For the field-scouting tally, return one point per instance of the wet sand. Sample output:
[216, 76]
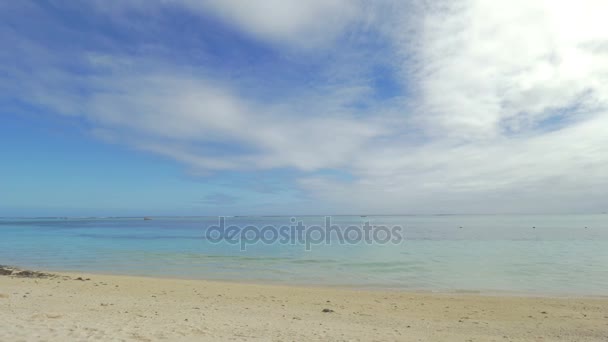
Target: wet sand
[75, 307]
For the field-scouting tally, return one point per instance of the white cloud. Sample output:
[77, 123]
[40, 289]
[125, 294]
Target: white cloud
[302, 23]
[513, 97]
[178, 114]
[506, 111]
[494, 67]
[562, 171]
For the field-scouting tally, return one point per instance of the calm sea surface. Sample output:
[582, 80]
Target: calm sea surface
[531, 254]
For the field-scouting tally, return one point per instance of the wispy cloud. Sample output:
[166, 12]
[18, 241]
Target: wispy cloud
[481, 107]
[512, 101]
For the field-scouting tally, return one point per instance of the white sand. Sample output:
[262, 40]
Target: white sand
[118, 308]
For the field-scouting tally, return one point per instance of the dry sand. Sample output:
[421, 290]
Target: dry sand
[120, 308]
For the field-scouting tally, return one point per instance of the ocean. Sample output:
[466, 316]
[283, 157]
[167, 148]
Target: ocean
[510, 254]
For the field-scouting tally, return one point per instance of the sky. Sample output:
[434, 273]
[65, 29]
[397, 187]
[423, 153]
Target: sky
[270, 107]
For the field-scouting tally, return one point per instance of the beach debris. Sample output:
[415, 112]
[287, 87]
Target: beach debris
[15, 272]
[5, 270]
[327, 310]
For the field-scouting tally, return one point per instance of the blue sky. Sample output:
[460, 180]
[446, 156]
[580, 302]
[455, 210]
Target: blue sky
[288, 107]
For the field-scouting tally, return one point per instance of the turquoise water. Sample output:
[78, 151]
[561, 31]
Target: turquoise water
[440, 253]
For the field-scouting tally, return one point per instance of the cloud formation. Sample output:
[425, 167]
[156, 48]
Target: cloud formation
[492, 69]
[458, 106]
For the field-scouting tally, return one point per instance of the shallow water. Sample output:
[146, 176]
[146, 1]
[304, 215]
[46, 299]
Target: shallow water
[562, 254]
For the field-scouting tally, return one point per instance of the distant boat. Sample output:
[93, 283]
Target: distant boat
[147, 218]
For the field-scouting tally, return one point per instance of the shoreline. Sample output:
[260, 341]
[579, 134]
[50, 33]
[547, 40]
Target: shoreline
[473, 292]
[76, 306]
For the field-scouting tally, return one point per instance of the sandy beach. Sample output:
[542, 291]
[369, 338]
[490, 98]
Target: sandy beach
[74, 307]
